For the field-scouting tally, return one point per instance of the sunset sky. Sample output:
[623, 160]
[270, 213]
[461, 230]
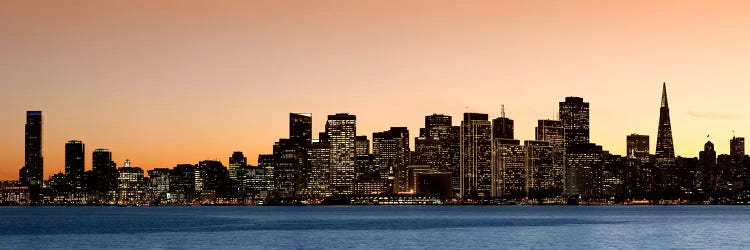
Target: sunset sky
[168, 82]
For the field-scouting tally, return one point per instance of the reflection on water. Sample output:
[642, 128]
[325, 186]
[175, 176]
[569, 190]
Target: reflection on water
[419, 227]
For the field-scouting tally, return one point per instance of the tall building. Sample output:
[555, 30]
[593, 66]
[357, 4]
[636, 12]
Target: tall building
[341, 130]
[32, 172]
[74, 163]
[130, 185]
[541, 179]
[290, 177]
[319, 158]
[362, 145]
[182, 184]
[236, 161]
[552, 131]
[664, 144]
[574, 114]
[436, 125]
[508, 169]
[711, 173]
[158, 184]
[300, 128]
[737, 146]
[637, 146]
[502, 127]
[475, 156]
[665, 158]
[105, 172]
[584, 170]
[390, 150]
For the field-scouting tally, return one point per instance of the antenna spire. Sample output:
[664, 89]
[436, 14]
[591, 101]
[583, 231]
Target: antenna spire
[502, 110]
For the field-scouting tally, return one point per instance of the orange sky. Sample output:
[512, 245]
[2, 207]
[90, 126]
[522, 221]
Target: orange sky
[167, 82]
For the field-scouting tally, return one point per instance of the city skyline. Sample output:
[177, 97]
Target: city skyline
[100, 77]
[309, 116]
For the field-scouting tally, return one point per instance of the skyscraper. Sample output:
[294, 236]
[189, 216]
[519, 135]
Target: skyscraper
[508, 169]
[32, 171]
[319, 159]
[541, 181]
[475, 156]
[236, 161]
[637, 146]
[552, 131]
[664, 144]
[708, 166]
[105, 173]
[74, 162]
[362, 145]
[665, 160]
[436, 126]
[502, 127]
[290, 176]
[737, 146]
[300, 128]
[341, 130]
[390, 150]
[574, 114]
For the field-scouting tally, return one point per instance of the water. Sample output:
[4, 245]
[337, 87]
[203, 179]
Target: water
[383, 227]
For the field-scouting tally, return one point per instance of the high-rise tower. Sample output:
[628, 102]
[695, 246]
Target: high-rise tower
[31, 173]
[664, 144]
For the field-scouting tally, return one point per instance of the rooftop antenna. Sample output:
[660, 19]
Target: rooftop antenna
[502, 110]
[733, 134]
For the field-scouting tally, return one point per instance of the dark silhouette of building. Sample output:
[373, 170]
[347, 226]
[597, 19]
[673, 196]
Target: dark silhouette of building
[75, 159]
[584, 170]
[105, 173]
[215, 177]
[300, 128]
[31, 174]
[637, 146]
[711, 174]
[737, 146]
[182, 183]
[665, 158]
[502, 127]
[541, 175]
[390, 150]
[475, 156]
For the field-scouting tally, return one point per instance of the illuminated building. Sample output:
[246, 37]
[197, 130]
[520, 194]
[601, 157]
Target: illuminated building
[638, 146]
[158, 184]
[502, 127]
[584, 170]
[552, 131]
[236, 161]
[341, 130]
[475, 156]
[319, 158]
[508, 169]
[390, 150]
[541, 178]
[130, 187]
